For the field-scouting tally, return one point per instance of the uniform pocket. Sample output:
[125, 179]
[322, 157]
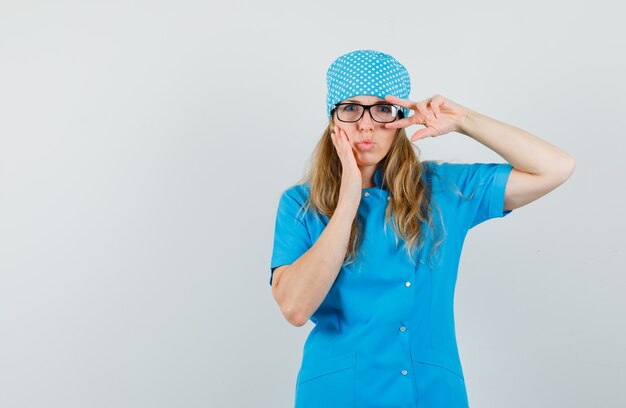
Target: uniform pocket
[327, 383]
[438, 379]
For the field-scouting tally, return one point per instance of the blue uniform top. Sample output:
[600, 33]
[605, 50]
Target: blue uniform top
[384, 336]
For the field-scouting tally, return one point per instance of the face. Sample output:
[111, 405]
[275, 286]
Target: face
[367, 130]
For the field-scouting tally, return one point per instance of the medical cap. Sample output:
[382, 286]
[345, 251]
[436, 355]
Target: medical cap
[366, 72]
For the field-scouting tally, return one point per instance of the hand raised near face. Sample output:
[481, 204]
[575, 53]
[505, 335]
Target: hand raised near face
[438, 114]
[351, 179]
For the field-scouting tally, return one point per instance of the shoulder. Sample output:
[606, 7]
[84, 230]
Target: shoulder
[297, 192]
[465, 178]
[438, 167]
[441, 167]
[455, 171]
[434, 171]
[293, 201]
[445, 176]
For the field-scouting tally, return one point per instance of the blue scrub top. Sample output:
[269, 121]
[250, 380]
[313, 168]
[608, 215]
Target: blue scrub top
[384, 336]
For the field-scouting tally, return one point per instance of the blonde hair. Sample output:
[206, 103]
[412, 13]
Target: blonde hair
[410, 202]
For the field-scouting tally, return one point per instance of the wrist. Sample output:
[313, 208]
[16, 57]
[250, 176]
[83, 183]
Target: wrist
[464, 125]
[348, 207]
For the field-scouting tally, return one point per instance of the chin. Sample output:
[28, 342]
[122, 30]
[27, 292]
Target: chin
[370, 162]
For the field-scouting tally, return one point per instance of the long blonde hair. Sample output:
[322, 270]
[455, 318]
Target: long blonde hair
[410, 202]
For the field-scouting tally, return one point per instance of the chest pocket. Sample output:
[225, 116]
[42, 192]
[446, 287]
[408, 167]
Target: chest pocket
[327, 383]
[439, 379]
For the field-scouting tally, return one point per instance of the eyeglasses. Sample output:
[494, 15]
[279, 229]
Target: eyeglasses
[352, 112]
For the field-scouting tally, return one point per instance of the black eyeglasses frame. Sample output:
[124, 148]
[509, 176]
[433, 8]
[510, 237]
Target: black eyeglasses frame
[367, 108]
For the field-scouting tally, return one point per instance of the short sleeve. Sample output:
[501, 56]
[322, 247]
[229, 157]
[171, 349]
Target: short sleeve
[482, 186]
[291, 236]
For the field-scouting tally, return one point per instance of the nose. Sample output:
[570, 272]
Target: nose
[366, 121]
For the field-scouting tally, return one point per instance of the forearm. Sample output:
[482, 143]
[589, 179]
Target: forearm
[522, 150]
[306, 282]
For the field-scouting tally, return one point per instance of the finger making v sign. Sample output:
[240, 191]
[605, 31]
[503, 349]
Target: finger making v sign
[438, 114]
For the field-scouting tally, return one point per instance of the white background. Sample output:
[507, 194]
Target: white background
[144, 146]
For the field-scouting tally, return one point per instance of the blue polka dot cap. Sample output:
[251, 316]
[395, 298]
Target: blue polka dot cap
[366, 72]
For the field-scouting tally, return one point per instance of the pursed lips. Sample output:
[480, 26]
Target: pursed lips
[365, 144]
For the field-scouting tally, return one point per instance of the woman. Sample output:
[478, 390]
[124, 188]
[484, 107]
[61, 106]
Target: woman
[367, 246]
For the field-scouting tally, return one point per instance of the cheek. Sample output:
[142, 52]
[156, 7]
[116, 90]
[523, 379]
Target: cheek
[389, 139]
[349, 134]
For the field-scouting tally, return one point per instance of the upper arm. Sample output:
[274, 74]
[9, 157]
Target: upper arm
[523, 188]
[291, 234]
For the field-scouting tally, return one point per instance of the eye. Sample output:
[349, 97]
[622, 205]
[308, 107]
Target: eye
[384, 108]
[349, 107]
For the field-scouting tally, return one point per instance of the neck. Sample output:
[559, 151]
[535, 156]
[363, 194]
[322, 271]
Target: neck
[367, 175]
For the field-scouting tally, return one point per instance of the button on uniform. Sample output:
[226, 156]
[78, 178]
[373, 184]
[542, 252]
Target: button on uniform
[402, 328]
[407, 284]
[366, 194]
[404, 372]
